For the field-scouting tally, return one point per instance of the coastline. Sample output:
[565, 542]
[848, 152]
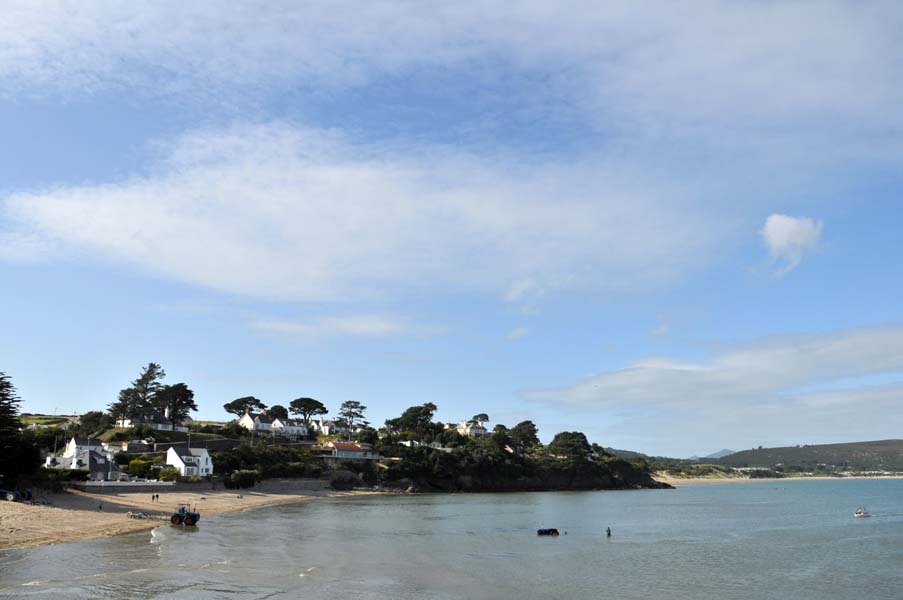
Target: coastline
[683, 481]
[75, 515]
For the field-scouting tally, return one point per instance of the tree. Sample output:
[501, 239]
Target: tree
[139, 400]
[126, 406]
[416, 419]
[17, 455]
[501, 436]
[351, 410]
[480, 419]
[307, 408]
[524, 437]
[177, 401]
[570, 444]
[94, 421]
[240, 406]
[277, 411]
[149, 382]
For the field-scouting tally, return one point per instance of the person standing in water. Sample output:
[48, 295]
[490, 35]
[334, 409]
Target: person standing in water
[608, 532]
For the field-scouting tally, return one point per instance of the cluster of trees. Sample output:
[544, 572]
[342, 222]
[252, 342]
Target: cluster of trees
[17, 455]
[148, 395]
[351, 412]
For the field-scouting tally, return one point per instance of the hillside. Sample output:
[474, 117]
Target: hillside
[860, 456]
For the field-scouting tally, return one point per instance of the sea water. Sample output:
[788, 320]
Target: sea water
[796, 540]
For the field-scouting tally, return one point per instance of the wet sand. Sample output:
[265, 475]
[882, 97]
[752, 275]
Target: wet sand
[76, 515]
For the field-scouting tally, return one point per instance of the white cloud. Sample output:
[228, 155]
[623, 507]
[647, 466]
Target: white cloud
[282, 212]
[788, 239]
[782, 71]
[774, 390]
[517, 333]
[362, 325]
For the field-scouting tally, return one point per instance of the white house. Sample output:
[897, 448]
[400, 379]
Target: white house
[158, 421]
[328, 427]
[77, 446]
[86, 454]
[416, 444]
[256, 422]
[289, 428]
[190, 461]
[472, 429]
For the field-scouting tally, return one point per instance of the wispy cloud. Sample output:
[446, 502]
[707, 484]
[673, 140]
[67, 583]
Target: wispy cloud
[278, 211]
[371, 326]
[788, 239]
[518, 333]
[763, 389]
[782, 71]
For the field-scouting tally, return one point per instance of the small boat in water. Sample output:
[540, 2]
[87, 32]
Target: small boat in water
[861, 513]
[552, 532]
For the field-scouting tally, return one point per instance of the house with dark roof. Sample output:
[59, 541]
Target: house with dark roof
[256, 422]
[190, 461]
[86, 454]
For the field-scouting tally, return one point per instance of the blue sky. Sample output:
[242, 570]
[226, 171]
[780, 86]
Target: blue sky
[676, 230]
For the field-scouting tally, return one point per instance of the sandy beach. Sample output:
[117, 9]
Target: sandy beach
[76, 515]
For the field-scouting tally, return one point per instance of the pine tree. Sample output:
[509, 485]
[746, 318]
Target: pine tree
[16, 455]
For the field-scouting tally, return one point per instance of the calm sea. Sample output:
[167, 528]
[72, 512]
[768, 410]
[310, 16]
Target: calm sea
[793, 540]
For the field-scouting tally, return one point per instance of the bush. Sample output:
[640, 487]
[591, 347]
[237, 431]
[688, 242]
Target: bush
[121, 458]
[138, 467]
[169, 474]
[241, 479]
[54, 480]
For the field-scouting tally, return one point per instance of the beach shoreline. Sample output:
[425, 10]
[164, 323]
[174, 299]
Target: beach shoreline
[76, 515]
[684, 481]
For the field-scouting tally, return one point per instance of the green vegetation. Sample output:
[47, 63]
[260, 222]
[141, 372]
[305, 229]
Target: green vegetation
[168, 474]
[700, 471]
[17, 456]
[242, 479]
[240, 406]
[884, 455]
[307, 408]
[269, 461]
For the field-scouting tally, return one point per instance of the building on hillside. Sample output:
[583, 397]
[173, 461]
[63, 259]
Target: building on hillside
[159, 421]
[350, 452]
[256, 422]
[86, 457]
[190, 461]
[289, 428]
[471, 428]
[328, 427]
[416, 444]
[78, 445]
[131, 447]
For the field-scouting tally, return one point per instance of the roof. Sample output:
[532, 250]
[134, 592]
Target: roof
[261, 417]
[349, 447]
[184, 454]
[87, 441]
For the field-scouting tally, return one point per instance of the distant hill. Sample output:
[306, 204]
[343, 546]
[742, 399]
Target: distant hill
[863, 456]
[720, 454]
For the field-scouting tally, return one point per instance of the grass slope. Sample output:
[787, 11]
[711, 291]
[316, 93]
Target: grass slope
[868, 456]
